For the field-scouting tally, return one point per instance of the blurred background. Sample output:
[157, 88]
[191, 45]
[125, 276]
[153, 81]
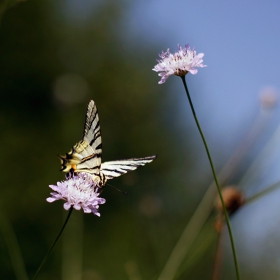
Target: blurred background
[56, 55]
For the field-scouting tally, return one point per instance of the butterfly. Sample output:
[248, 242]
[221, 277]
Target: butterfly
[85, 156]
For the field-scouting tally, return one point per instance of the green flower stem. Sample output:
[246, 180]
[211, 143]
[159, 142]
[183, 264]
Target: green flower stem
[46, 257]
[13, 247]
[215, 178]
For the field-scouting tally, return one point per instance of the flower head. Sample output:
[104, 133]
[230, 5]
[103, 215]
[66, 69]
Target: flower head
[180, 63]
[79, 192]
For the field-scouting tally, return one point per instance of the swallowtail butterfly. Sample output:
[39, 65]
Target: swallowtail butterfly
[86, 155]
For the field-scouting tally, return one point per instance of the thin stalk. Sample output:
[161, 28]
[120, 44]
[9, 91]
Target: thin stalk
[47, 255]
[189, 234]
[72, 258]
[13, 247]
[265, 158]
[263, 192]
[218, 258]
[196, 256]
[215, 178]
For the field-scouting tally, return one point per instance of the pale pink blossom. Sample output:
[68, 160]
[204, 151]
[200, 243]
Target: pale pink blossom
[180, 63]
[79, 192]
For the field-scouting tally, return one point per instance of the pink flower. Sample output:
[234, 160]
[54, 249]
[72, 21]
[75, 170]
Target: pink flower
[179, 63]
[79, 192]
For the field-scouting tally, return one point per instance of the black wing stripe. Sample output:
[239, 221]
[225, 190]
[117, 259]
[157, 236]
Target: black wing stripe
[88, 168]
[96, 129]
[91, 158]
[120, 171]
[93, 119]
[99, 146]
[95, 137]
[96, 134]
[97, 126]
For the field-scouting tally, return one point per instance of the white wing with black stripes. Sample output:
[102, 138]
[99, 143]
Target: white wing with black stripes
[86, 155]
[112, 169]
[90, 148]
[92, 132]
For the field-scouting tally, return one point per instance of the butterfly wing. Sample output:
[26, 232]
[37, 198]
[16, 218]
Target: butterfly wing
[92, 132]
[91, 145]
[85, 156]
[112, 169]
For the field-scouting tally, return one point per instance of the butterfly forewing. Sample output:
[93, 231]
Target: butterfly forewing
[112, 169]
[85, 156]
[92, 143]
[92, 132]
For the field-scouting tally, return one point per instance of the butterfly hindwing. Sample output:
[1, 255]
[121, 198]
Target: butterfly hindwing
[112, 169]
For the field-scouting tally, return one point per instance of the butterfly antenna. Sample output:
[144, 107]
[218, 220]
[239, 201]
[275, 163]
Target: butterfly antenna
[125, 193]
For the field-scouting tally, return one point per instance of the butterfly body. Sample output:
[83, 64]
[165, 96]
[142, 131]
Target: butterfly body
[85, 156]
